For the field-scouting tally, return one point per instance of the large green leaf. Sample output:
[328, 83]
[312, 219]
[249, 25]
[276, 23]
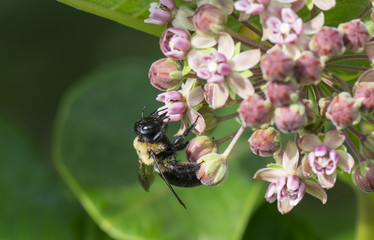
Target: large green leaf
[34, 203]
[93, 151]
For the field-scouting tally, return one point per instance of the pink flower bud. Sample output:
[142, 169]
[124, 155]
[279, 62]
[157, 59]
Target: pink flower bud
[355, 35]
[276, 66]
[308, 69]
[290, 118]
[281, 93]
[200, 146]
[323, 105]
[160, 13]
[363, 176]
[264, 142]
[254, 111]
[327, 42]
[209, 19]
[165, 74]
[343, 110]
[213, 169]
[367, 146]
[175, 43]
[364, 93]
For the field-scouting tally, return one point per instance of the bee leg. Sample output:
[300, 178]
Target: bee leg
[152, 154]
[161, 133]
[178, 141]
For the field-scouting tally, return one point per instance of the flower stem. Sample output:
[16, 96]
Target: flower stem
[332, 85]
[342, 58]
[368, 8]
[247, 41]
[348, 67]
[224, 139]
[368, 119]
[353, 147]
[347, 87]
[233, 141]
[362, 137]
[365, 216]
[249, 26]
[227, 117]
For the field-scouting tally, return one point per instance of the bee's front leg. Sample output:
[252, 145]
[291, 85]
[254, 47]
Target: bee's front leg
[178, 141]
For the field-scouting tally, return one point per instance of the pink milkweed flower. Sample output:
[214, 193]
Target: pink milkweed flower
[321, 4]
[175, 43]
[285, 30]
[249, 7]
[183, 105]
[325, 156]
[160, 13]
[287, 184]
[222, 70]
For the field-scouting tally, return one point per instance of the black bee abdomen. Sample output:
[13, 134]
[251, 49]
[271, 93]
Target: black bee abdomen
[181, 174]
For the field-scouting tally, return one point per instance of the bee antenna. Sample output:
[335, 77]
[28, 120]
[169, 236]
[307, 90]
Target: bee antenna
[143, 112]
[157, 111]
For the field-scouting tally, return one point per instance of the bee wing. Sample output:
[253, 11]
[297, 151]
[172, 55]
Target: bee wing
[145, 175]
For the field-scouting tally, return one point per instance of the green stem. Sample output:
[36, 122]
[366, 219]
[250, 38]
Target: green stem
[247, 41]
[233, 141]
[365, 216]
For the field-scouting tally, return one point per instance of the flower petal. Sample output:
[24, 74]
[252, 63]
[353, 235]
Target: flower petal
[201, 41]
[346, 161]
[245, 60]
[368, 75]
[240, 85]
[284, 206]
[309, 142]
[216, 94]
[193, 116]
[333, 139]
[269, 174]
[314, 25]
[315, 190]
[296, 6]
[290, 158]
[195, 97]
[324, 4]
[307, 170]
[226, 44]
[327, 181]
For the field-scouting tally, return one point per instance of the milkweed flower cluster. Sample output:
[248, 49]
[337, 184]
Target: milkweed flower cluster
[284, 81]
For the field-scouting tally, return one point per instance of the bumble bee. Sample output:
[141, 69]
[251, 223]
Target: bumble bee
[156, 153]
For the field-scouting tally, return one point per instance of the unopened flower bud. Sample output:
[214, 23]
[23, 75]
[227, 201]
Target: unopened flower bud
[175, 43]
[364, 90]
[309, 110]
[290, 118]
[276, 66]
[213, 169]
[308, 69]
[355, 35]
[200, 146]
[367, 146]
[327, 42]
[323, 104]
[343, 110]
[265, 142]
[254, 111]
[165, 74]
[209, 19]
[211, 119]
[281, 93]
[363, 176]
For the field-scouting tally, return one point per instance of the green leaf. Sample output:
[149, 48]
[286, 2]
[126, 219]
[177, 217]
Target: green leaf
[344, 11]
[93, 152]
[127, 12]
[34, 203]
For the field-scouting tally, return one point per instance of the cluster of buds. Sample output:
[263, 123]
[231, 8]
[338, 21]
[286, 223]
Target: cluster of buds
[285, 84]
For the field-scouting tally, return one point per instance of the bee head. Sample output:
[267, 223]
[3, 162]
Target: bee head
[149, 125]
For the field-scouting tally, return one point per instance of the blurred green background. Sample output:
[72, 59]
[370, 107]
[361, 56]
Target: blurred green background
[46, 47]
